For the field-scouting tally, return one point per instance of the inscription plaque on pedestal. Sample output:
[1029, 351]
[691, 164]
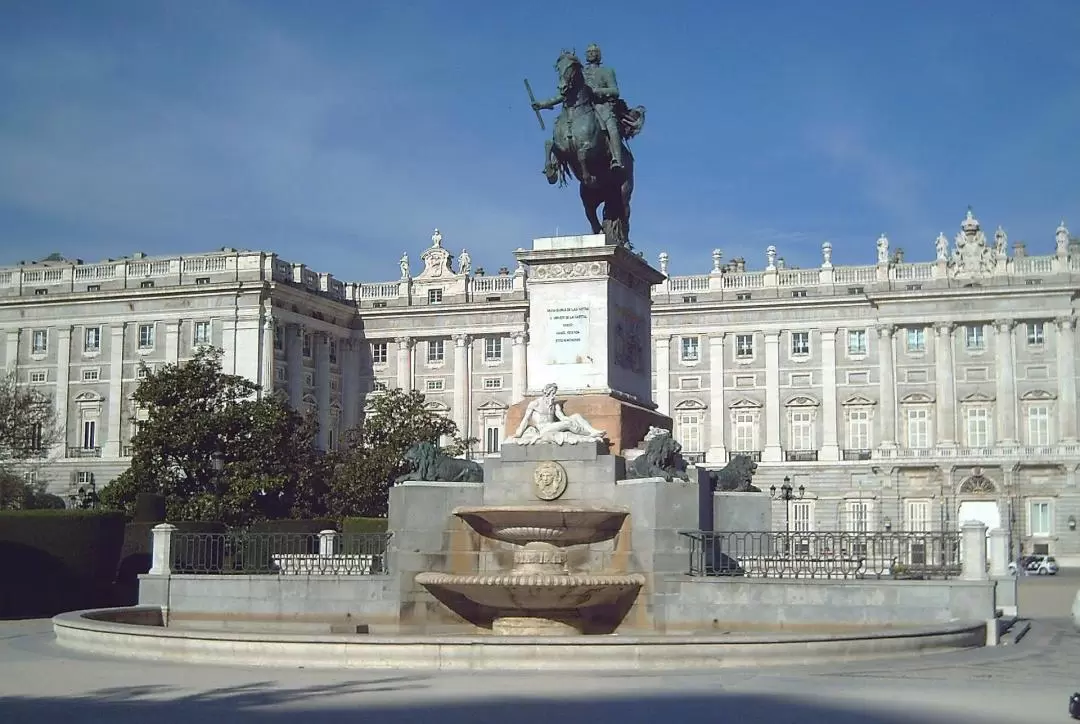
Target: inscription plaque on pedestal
[568, 330]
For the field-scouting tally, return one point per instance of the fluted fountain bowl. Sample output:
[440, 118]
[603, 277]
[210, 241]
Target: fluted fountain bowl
[560, 525]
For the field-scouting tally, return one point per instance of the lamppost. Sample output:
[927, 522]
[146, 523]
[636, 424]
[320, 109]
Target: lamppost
[217, 464]
[787, 494]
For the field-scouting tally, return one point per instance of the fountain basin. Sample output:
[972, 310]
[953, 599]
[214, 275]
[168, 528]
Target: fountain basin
[560, 525]
[536, 604]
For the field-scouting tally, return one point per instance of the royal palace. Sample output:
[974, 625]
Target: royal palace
[896, 396]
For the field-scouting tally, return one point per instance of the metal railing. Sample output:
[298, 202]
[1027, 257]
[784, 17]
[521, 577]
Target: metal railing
[830, 555]
[241, 552]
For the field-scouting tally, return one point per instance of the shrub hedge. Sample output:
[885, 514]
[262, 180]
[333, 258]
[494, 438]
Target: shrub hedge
[351, 526]
[58, 560]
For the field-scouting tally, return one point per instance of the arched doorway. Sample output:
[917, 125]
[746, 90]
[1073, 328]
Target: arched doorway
[979, 503]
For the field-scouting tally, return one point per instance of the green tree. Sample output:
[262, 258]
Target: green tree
[196, 413]
[28, 429]
[371, 458]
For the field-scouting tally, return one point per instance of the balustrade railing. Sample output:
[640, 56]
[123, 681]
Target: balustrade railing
[242, 552]
[830, 555]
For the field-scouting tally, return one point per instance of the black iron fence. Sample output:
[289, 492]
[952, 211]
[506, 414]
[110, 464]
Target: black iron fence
[240, 552]
[824, 555]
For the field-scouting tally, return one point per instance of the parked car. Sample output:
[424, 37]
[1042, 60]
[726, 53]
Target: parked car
[1038, 565]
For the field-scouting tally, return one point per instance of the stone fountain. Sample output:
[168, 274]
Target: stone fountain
[539, 595]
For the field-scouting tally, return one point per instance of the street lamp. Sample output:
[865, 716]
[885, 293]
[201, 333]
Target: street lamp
[787, 494]
[86, 498]
[217, 464]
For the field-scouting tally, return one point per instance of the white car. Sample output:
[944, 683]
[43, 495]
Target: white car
[1038, 565]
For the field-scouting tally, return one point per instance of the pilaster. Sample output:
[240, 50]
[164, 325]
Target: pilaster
[11, 353]
[321, 343]
[887, 385]
[717, 405]
[773, 452]
[63, 370]
[266, 356]
[1066, 358]
[1006, 382]
[111, 447]
[350, 384]
[663, 374]
[830, 447]
[945, 425]
[172, 341]
[519, 371]
[228, 346]
[294, 358]
[461, 383]
[405, 362]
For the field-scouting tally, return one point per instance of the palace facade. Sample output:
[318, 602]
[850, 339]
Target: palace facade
[897, 396]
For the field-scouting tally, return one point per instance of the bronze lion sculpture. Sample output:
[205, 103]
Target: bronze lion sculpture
[736, 476]
[662, 458]
[427, 462]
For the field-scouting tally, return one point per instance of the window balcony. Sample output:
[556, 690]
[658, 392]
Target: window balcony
[800, 456]
[754, 455]
[84, 452]
[857, 454]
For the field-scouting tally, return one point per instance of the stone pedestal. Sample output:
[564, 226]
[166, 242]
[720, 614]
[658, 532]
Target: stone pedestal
[590, 318]
[624, 422]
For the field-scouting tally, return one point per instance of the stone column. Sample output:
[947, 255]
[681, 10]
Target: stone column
[350, 384]
[999, 553]
[294, 358]
[1006, 382]
[172, 341]
[830, 446]
[111, 448]
[63, 370]
[405, 362]
[228, 346]
[519, 379]
[1066, 358]
[973, 551]
[11, 354]
[717, 405]
[773, 452]
[663, 375]
[321, 344]
[887, 386]
[461, 383]
[266, 357]
[945, 434]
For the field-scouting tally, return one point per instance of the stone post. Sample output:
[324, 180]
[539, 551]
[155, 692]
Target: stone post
[999, 553]
[327, 539]
[161, 550]
[973, 551]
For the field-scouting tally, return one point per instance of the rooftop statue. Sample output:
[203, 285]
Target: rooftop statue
[545, 421]
[588, 141]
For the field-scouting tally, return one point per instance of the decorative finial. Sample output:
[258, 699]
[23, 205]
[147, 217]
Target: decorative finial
[1061, 238]
[436, 239]
[717, 256]
[770, 258]
[883, 249]
[663, 262]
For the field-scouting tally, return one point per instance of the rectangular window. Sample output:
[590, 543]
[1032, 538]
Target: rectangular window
[689, 432]
[918, 428]
[146, 336]
[201, 335]
[1038, 425]
[1036, 333]
[856, 342]
[434, 296]
[856, 291]
[332, 352]
[743, 296]
[802, 516]
[379, 353]
[378, 386]
[92, 339]
[744, 346]
[1040, 520]
[41, 292]
[974, 336]
[281, 374]
[434, 385]
[89, 434]
[147, 284]
[977, 421]
[745, 432]
[306, 348]
[690, 349]
[38, 377]
[917, 516]
[800, 343]
[93, 287]
[142, 372]
[859, 430]
[492, 436]
[802, 431]
[798, 294]
[279, 337]
[200, 281]
[91, 374]
[916, 339]
[39, 341]
[493, 349]
[493, 383]
[436, 351]
[857, 516]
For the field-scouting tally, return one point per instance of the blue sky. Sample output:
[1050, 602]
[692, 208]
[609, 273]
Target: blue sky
[339, 133]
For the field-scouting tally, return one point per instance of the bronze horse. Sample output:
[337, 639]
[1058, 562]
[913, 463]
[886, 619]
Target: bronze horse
[579, 148]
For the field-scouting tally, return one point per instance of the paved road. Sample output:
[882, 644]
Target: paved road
[1026, 683]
